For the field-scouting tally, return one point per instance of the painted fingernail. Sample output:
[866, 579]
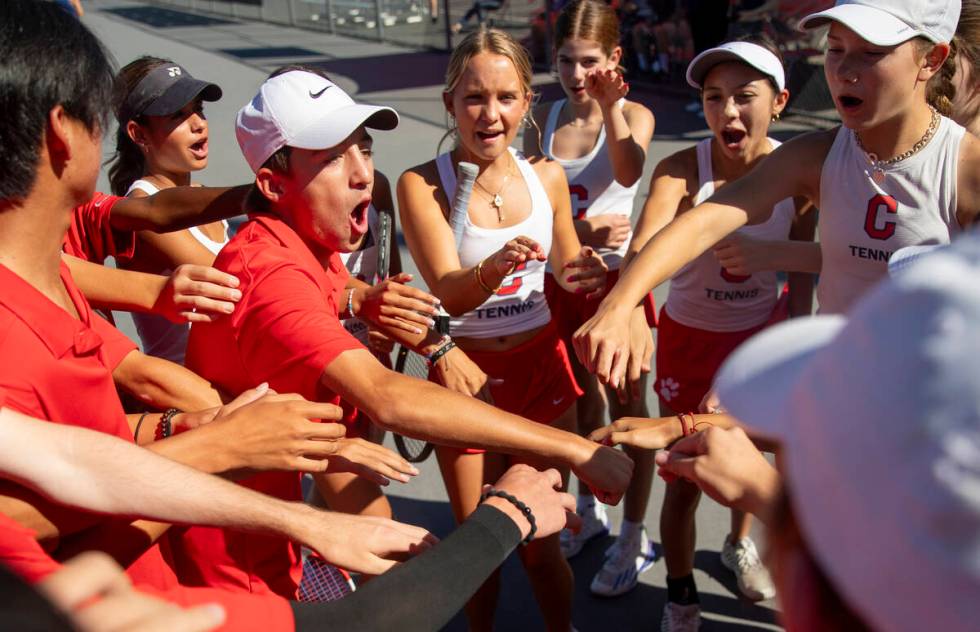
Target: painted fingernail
[573, 278]
[430, 322]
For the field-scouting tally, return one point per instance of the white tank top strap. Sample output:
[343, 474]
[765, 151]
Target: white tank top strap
[520, 304]
[214, 247]
[706, 178]
[551, 124]
[143, 185]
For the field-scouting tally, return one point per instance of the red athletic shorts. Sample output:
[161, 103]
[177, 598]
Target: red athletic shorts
[538, 382]
[688, 358]
[569, 311]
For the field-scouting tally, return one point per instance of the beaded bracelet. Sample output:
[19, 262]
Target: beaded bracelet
[524, 509]
[165, 426]
[350, 303]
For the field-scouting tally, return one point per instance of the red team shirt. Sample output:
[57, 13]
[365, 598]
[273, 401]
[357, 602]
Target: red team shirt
[58, 368]
[91, 237]
[285, 330]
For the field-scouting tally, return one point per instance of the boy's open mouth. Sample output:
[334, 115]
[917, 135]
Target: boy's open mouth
[849, 102]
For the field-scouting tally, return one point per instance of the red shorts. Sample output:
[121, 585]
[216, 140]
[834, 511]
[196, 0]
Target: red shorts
[569, 311]
[538, 382]
[688, 358]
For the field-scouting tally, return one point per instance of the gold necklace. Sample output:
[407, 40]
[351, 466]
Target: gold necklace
[877, 166]
[496, 200]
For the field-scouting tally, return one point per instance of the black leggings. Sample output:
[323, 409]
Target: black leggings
[423, 594]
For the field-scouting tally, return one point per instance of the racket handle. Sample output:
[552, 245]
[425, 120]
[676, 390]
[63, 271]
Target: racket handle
[384, 245]
[466, 173]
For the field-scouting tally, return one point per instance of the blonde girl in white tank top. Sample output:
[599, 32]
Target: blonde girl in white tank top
[743, 91]
[600, 140]
[159, 152]
[883, 95]
[493, 286]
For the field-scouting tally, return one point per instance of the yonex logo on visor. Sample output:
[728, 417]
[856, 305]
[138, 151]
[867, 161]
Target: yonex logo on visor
[173, 71]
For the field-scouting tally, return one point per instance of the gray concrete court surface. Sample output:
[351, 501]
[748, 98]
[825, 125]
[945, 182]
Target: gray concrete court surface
[237, 55]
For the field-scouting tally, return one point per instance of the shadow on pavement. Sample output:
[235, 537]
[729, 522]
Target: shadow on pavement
[398, 71]
[160, 18]
[639, 610]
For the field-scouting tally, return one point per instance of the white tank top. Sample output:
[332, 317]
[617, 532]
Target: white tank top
[520, 304]
[363, 265]
[703, 294]
[591, 185]
[862, 222]
[160, 337]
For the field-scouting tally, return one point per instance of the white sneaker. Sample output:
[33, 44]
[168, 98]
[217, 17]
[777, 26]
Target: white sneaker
[678, 618]
[595, 523]
[625, 560]
[742, 558]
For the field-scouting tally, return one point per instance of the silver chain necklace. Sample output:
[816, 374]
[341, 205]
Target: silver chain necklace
[878, 166]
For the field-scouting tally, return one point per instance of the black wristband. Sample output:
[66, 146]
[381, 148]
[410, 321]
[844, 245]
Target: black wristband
[136, 432]
[524, 509]
[441, 351]
[165, 427]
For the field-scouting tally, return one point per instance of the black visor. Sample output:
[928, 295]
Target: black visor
[166, 90]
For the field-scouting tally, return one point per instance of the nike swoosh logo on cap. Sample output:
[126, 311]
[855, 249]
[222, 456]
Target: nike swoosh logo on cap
[317, 95]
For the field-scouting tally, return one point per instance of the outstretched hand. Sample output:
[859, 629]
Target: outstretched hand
[606, 86]
[553, 509]
[363, 544]
[393, 304]
[197, 294]
[586, 273]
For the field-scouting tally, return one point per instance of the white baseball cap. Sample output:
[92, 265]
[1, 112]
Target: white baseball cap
[303, 110]
[891, 22]
[754, 55]
[879, 419]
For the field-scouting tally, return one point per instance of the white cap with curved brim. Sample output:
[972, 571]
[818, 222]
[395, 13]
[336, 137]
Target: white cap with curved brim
[303, 110]
[891, 22]
[754, 55]
[878, 416]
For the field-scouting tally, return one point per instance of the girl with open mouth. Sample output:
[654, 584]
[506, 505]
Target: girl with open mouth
[162, 139]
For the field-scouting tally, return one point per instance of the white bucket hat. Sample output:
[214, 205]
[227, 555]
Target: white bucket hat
[303, 110]
[879, 419]
[891, 22]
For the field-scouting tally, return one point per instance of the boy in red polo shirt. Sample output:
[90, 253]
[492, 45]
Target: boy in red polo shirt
[307, 142]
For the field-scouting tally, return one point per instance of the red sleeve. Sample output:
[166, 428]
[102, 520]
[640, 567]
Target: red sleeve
[21, 553]
[115, 344]
[244, 612]
[90, 235]
[288, 334]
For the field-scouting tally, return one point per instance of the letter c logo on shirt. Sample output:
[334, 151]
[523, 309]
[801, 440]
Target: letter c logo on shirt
[876, 205]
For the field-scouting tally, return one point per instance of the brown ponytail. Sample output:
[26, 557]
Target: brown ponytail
[128, 163]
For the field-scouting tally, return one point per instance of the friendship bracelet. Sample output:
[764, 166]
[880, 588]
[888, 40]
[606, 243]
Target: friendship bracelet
[702, 423]
[448, 344]
[136, 433]
[165, 426]
[686, 428]
[524, 509]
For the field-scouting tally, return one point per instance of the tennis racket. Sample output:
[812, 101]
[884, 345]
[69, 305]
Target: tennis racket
[410, 363]
[322, 581]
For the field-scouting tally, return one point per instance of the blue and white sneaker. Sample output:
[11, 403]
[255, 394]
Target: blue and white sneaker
[595, 523]
[625, 560]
